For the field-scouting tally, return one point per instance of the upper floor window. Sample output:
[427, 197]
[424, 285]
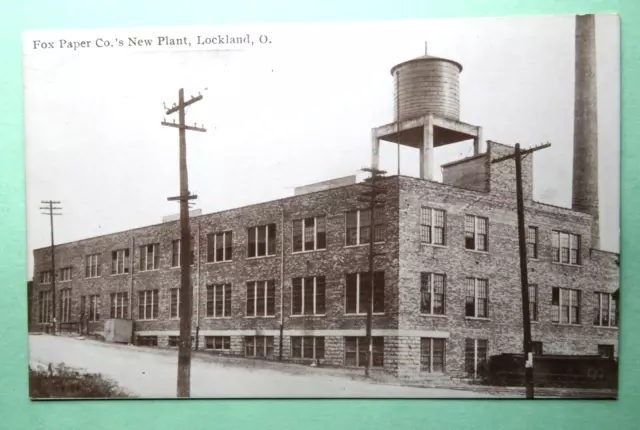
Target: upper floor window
[261, 297]
[532, 242]
[44, 307]
[308, 296]
[477, 298]
[262, 241]
[219, 247]
[120, 261]
[359, 226]
[309, 234]
[565, 305]
[65, 274]
[176, 250]
[358, 287]
[92, 266]
[45, 277]
[566, 247]
[432, 224]
[150, 257]
[476, 230]
[605, 310]
[66, 305]
[432, 287]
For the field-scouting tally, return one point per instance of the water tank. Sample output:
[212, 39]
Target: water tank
[427, 85]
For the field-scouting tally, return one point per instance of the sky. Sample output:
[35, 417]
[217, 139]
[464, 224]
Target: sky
[291, 112]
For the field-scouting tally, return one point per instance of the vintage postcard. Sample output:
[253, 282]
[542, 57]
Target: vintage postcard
[419, 209]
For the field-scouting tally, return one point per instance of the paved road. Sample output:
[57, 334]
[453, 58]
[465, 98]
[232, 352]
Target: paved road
[151, 373]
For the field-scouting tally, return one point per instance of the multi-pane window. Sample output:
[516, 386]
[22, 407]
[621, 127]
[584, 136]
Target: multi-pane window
[536, 348]
[148, 305]
[358, 289]
[606, 351]
[94, 307]
[174, 308]
[566, 247]
[532, 242]
[308, 295]
[92, 266]
[176, 250]
[356, 349]
[262, 241]
[432, 287]
[45, 277]
[120, 261]
[475, 356]
[432, 354]
[533, 302]
[219, 247]
[309, 234]
[432, 225]
[307, 347]
[119, 305]
[605, 310]
[218, 300]
[258, 346]
[150, 257]
[565, 306]
[218, 343]
[44, 308]
[66, 305]
[477, 298]
[261, 298]
[65, 274]
[476, 230]
[359, 226]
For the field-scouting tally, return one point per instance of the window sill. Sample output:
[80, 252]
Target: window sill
[607, 327]
[93, 277]
[477, 318]
[147, 319]
[64, 282]
[433, 245]
[308, 251]
[566, 324]
[217, 350]
[219, 318]
[557, 263]
[362, 314]
[433, 315]
[179, 267]
[308, 316]
[364, 244]
[477, 251]
[223, 261]
[149, 270]
[261, 256]
[120, 274]
[259, 316]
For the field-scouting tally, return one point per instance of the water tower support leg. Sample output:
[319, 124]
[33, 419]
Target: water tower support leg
[426, 151]
[375, 149]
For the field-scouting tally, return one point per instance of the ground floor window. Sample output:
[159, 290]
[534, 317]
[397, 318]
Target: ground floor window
[258, 346]
[222, 343]
[475, 357]
[356, 351]
[606, 351]
[536, 348]
[432, 354]
[309, 347]
[66, 305]
[147, 341]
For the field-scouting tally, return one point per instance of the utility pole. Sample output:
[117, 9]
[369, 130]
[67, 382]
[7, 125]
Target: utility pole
[184, 351]
[372, 198]
[50, 208]
[526, 322]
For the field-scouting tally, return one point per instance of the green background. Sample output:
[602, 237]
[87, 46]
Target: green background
[17, 412]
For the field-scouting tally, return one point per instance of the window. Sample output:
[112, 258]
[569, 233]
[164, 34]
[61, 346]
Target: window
[176, 260]
[532, 242]
[218, 301]
[94, 307]
[261, 298]
[605, 310]
[44, 307]
[120, 261]
[219, 247]
[432, 224]
[218, 343]
[357, 292]
[147, 340]
[150, 257]
[307, 347]
[475, 233]
[148, 305]
[432, 288]
[174, 308]
[262, 241]
[533, 302]
[475, 357]
[565, 306]
[477, 299]
[356, 351]
[259, 346]
[66, 305]
[92, 266]
[359, 226]
[536, 348]
[566, 247]
[606, 351]
[432, 355]
[308, 295]
[119, 305]
[309, 234]
[65, 274]
[45, 277]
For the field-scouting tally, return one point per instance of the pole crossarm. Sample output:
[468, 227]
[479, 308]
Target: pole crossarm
[184, 127]
[523, 152]
[182, 198]
[191, 101]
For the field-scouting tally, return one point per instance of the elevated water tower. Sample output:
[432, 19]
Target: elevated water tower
[427, 110]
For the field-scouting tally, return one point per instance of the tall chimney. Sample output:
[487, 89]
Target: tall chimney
[585, 126]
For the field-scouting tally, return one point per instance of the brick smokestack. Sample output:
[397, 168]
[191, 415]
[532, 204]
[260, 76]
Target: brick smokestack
[585, 131]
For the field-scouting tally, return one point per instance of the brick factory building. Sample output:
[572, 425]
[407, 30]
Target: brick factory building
[285, 279]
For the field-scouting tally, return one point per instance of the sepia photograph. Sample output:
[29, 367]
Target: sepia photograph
[391, 209]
